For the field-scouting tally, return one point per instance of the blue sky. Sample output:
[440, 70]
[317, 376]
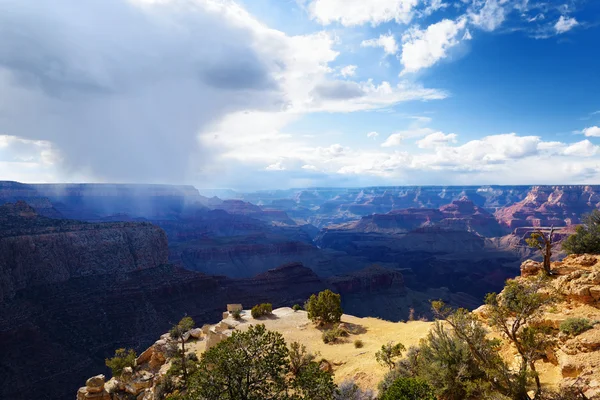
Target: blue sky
[254, 94]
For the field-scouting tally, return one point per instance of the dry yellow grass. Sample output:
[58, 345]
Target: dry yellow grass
[348, 361]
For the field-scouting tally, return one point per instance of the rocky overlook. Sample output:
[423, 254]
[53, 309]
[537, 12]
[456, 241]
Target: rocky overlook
[572, 360]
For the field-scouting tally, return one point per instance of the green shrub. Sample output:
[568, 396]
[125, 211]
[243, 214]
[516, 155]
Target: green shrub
[237, 315]
[389, 353]
[297, 307]
[332, 335]
[324, 308]
[122, 359]
[261, 310]
[259, 363]
[299, 358]
[358, 343]
[575, 326]
[586, 238]
[409, 389]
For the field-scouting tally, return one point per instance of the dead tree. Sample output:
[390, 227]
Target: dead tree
[544, 243]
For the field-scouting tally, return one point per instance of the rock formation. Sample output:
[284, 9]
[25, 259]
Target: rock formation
[574, 359]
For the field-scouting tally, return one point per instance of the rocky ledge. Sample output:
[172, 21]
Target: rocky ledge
[574, 286]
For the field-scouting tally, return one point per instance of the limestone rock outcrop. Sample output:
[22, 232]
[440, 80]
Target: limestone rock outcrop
[575, 290]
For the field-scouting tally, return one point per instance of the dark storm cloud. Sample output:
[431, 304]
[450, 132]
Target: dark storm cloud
[338, 90]
[122, 89]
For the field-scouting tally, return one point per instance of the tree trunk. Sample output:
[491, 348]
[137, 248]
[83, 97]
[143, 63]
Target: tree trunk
[183, 366]
[547, 256]
[538, 384]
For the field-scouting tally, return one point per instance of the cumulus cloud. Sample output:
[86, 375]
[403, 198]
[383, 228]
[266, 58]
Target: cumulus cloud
[565, 24]
[358, 12]
[386, 42]
[592, 131]
[423, 48]
[348, 70]
[585, 148]
[373, 135]
[487, 15]
[395, 139]
[436, 139]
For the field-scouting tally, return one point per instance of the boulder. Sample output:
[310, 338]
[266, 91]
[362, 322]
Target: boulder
[140, 381]
[95, 384]
[112, 385]
[196, 333]
[234, 307]
[530, 268]
[84, 394]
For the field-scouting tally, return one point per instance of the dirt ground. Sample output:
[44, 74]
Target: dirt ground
[347, 361]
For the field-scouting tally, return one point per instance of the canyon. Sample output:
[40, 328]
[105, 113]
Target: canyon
[87, 268]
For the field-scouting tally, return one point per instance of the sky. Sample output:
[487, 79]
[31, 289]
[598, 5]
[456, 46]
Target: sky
[264, 94]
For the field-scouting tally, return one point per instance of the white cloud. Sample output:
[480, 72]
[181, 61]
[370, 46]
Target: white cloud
[585, 148]
[592, 131]
[28, 160]
[359, 12]
[565, 24]
[276, 167]
[348, 70]
[487, 15]
[423, 48]
[436, 139]
[372, 135]
[396, 139]
[434, 5]
[387, 42]
[309, 167]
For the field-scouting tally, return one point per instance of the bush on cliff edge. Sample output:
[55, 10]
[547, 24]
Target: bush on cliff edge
[324, 308]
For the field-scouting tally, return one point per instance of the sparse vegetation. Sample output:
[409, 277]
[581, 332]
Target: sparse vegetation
[544, 242]
[510, 312]
[409, 389]
[575, 326]
[237, 315]
[324, 308]
[586, 238]
[349, 390]
[444, 361]
[178, 333]
[122, 359]
[388, 354]
[254, 365]
[297, 307]
[299, 357]
[332, 335]
[261, 310]
[358, 343]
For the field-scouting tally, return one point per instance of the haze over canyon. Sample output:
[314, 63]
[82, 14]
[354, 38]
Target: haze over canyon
[87, 268]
